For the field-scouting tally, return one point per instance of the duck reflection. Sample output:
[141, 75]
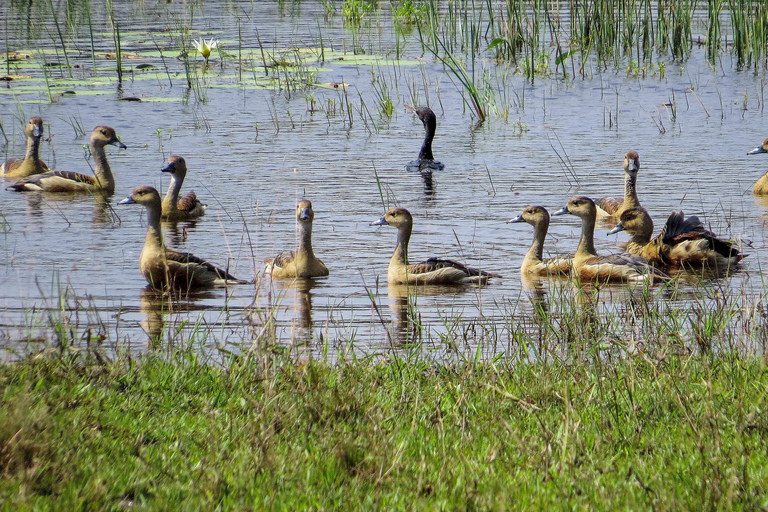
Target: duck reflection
[407, 323]
[61, 204]
[176, 232]
[296, 299]
[153, 304]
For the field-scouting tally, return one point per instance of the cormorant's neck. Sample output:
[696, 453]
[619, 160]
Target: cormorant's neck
[426, 148]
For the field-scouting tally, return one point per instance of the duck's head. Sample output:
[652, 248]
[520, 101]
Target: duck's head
[177, 166]
[103, 135]
[425, 114]
[633, 220]
[631, 162]
[304, 212]
[760, 149]
[34, 127]
[579, 206]
[533, 215]
[145, 196]
[396, 217]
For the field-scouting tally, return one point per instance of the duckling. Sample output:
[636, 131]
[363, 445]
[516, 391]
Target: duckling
[188, 207]
[761, 186]
[426, 161]
[302, 262]
[67, 181]
[431, 271]
[608, 206]
[538, 217]
[586, 262]
[163, 268]
[31, 163]
[682, 242]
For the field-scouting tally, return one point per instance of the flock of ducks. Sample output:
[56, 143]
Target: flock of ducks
[681, 243]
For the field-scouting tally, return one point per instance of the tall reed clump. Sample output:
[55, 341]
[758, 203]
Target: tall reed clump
[750, 31]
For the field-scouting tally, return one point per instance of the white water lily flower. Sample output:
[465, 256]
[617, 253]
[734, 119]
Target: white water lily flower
[205, 47]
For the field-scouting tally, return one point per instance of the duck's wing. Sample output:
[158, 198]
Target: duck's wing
[436, 264]
[279, 262]
[186, 262]
[608, 205]
[190, 203]
[11, 165]
[55, 181]
[678, 230]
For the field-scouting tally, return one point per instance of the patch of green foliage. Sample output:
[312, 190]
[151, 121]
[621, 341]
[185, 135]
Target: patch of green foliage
[680, 432]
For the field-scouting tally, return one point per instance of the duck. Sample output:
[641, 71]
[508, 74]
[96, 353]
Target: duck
[175, 208]
[682, 242]
[586, 262]
[609, 206]
[163, 268]
[538, 217]
[302, 262]
[31, 163]
[426, 162]
[68, 181]
[434, 271]
[761, 186]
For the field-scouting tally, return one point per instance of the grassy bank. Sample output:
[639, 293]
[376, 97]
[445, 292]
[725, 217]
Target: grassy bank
[683, 432]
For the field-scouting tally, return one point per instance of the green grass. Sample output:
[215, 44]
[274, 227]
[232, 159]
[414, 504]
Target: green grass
[674, 432]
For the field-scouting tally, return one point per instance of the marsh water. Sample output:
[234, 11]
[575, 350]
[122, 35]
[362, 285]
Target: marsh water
[254, 148]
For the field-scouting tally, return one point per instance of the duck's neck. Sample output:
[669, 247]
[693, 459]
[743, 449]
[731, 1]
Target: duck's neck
[400, 256]
[426, 147]
[102, 170]
[33, 149]
[154, 240]
[587, 243]
[305, 240]
[171, 200]
[536, 252]
[630, 190]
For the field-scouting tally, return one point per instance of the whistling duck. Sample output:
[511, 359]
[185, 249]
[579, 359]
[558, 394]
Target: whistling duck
[431, 271]
[166, 269]
[681, 241]
[31, 163]
[538, 217]
[188, 207]
[761, 186]
[302, 262]
[586, 262]
[67, 181]
[614, 207]
[426, 161]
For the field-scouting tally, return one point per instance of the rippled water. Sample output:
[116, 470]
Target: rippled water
[253, 152]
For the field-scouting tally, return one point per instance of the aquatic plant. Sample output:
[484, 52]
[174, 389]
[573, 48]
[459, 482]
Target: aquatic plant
[204, 47]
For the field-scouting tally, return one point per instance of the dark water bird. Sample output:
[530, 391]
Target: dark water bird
[682, 242]
[302, 262]
[586, 262]
[432, 271]
[67, 181]
[761, 186]
[538, 217]
[426, 162]
[614, 207]
[175, 208]
[163, 268]
[31, 163]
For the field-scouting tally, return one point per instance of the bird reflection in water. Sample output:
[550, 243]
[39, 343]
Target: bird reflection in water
[176, 232]
[156, 306]
[296, 300]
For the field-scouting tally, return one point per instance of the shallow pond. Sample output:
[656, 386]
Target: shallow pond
[253, 151]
